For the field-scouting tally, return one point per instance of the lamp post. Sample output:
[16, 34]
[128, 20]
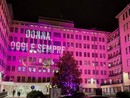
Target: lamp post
[47, 64]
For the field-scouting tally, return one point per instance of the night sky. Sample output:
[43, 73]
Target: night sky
[88, 14]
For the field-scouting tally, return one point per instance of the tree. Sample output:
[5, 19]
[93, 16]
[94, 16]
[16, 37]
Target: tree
[68, 76]
[35, 94]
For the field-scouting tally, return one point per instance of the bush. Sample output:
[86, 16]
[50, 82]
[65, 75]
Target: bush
[124, 94]
[78, 95]
[35, 94]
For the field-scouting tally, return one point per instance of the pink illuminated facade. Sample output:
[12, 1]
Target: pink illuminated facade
[5, 21]
[89, 47]
[118, 54]
[124, 28]
[29, 51]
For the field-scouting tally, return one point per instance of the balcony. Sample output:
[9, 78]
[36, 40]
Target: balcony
[115, 55]
[113, 47]
[113, 65]
[115, 74]
[108, 83]
[111, 39]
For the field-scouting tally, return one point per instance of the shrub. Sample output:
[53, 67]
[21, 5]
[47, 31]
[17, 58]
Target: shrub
[35, 94]
[124, 94]
[78, 95]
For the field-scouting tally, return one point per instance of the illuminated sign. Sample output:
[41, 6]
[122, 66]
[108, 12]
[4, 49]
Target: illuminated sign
[34, 34]
[37, 48]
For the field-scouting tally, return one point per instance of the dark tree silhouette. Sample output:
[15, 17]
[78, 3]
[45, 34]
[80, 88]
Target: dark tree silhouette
[68, 76]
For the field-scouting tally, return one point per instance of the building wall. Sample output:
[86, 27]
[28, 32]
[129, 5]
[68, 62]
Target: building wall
[114, 58]
[4, 33]
[124, 27]
[79, 41]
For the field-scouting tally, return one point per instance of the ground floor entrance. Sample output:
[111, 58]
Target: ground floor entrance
[24, 88]
[111, 89]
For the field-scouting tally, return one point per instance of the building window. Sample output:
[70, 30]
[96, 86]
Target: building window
[129, 75]
[85, 81]
[33, 79]
[126, 14]
[89, 72]
[39, 79]
[80, 62]
[13, 68]
[44, 79]
[8, 68]
[88, 38]
[101, 72]
[80, 54]
[76, 53]
[93, 72]
[80, 45]
[88, 54]
[76, 45]
[22, 30]
[72, 44]
[64, 35]
[57, 34]
[128, 62]
[14, 58]
[68, 36]
[18, 79]
[84, 37]
[80, 37]
[16, 30]
[29, 79]
[23, 79]
[72, 36]
[11, 29]
[123, 17]
[84, 54]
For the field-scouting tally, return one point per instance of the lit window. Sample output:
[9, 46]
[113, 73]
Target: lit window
[19, 68]
[34, 69]
[30, 69]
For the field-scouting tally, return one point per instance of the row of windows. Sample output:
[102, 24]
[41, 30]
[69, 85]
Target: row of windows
[35, 59]
[45, 60]
[113, 46]
[85, 46]
[94, 81]
[68, 36]
[126, 14]
[29, 69]
[28, 79]
[94, 55]
[95, 72]
[115, 62]
[114, 54]
[114, 36]
[88, 63]
[115, 80]
[115, 71]
[41, 69]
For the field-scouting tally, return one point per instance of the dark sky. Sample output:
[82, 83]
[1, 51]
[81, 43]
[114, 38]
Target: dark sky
[99, 14]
